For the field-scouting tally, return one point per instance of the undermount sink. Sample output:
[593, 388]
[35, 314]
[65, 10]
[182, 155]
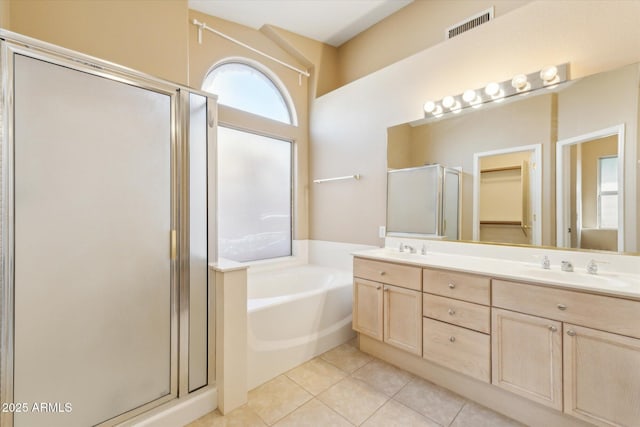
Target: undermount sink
[601, 279]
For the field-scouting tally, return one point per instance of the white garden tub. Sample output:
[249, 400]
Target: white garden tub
[295, 314]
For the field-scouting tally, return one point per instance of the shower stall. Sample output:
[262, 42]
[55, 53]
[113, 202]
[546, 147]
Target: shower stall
[106, 198]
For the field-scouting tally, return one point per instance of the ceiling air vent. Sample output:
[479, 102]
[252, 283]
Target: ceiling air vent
[469, 23]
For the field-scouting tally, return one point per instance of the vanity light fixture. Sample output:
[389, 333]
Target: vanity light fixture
[431, 107]
[494, 90]
[472, 98]
[521, 84]
[549, 75]
[451, 103]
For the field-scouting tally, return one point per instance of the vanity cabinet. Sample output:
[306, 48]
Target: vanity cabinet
[594, 364]
[367, 307]
[601, 376]
[387, 303]
[527, 356]
[456, 325]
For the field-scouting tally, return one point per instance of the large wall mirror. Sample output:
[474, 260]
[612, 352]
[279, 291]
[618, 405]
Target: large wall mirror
[557, 167]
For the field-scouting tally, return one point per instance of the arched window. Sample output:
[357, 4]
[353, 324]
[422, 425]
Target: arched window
[255, 171]
[245, 87]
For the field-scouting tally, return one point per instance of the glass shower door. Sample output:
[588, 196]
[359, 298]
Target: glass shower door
[94, 312]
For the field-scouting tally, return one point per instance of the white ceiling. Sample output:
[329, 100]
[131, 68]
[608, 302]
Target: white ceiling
[329, 21]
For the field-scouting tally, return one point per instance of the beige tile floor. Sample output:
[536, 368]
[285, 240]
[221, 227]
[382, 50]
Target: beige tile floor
[345, 387]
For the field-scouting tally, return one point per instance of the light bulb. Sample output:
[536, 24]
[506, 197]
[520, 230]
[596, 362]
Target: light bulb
[448, 101]
[469, 96]
[492, 89]
[549, 74]
[520, 83]
[429, 106]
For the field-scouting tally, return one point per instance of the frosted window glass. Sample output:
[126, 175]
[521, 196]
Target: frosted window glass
[248, 89]
[608, 174]
[608, 192]
[609, 211]
[254, 196]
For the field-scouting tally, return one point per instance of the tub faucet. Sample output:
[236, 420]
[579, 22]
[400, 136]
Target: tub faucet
[566, 266]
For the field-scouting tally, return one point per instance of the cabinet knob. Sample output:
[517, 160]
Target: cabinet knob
[382, 273]
[378, 287]
[452, 286]
[452, 339]
[386, 289]
[562, 307]
[571, 333]
[553, 328]
[451, 312]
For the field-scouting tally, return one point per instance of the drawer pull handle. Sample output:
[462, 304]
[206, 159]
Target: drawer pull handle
[571, 333]
[382, 273]
[562, 307]
[553, 328]
[452, 286]
[452, 339]
[451, 312]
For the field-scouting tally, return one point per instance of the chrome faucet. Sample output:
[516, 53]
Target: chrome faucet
[411, 249]
[546, 263]
[566, 266]
[592, 266]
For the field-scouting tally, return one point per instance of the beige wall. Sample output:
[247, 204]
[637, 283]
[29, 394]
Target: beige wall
[349, 125]
[320, 59]
[146, 35]
[5, 14]
[202, 57]
[412, 29]
[399, 154]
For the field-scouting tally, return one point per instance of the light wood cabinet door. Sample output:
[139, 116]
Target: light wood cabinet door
[403, 318]
[601, 376]
[367, 307]
[527, 356]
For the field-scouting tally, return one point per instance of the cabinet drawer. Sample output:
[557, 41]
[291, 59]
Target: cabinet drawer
[461, 286]
[469, 315]
[457, 348]
[597, 311]
[386, 272]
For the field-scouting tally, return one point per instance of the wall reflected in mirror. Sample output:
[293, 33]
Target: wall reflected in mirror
[542, 118]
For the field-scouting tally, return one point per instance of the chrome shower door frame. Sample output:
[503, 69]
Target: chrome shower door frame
[10, 45]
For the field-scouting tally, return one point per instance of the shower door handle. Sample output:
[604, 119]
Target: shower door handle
[173, 251]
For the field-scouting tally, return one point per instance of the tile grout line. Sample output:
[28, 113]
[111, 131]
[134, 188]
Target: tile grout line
[454, 418]
[334, 411]
[376, 411]
[420, 414]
